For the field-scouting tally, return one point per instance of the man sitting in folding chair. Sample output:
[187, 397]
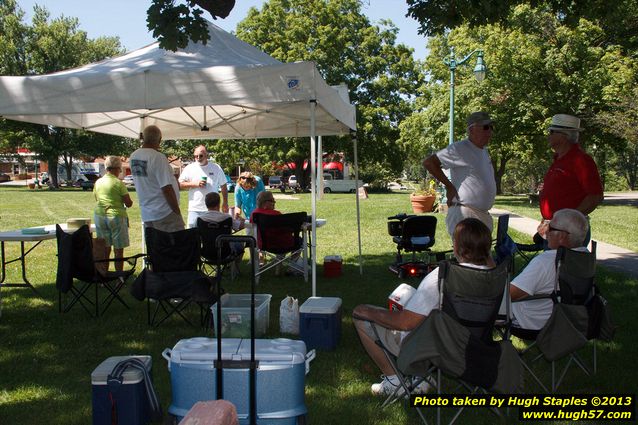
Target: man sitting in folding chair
[567, 228]
[279, 237]
[472, 246]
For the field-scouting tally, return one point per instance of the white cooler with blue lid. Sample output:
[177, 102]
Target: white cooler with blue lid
[280, 377]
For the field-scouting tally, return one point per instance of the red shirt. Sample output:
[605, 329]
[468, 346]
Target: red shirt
[568, 181]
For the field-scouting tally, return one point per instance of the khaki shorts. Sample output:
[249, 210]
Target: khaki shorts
[457, 213]
[171, 223]
[391, 339]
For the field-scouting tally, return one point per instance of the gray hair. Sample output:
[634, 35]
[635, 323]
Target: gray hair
[264, 197]
[152, 135]
[112, 162]
[572, 136]
[574, 222]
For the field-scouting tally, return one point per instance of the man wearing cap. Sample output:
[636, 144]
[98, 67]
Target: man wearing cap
[201, 178]
[471, 188]
[572, 180]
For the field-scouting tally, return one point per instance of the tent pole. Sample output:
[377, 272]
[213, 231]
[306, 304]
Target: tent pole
[356, 177]
[320, 167]
[313, 187]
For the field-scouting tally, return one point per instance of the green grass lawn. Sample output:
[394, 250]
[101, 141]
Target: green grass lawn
[47, 358]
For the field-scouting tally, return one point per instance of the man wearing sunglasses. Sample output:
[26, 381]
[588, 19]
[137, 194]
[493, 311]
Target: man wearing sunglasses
[471, 187]
[567, 228]
[202, 177]
[572, 180]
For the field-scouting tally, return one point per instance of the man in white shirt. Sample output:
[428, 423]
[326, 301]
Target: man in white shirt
[472, 248]
[200, 178]
[471, 188]
[567, 228]
[156, 186]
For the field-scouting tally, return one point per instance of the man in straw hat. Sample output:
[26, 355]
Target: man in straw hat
[471, 187]
[572, 180]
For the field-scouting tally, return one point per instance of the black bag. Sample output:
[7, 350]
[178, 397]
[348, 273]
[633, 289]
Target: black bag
[601, 325]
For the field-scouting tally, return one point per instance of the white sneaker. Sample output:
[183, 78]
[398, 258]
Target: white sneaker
[387, 386]
[424, 387]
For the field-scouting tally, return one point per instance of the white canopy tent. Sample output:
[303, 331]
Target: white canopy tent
[226, 89]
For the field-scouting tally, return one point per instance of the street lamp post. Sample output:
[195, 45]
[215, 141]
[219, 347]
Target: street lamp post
[479, 73]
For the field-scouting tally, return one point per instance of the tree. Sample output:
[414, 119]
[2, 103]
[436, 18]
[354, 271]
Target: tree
[174, 25]
[618, 19]
[537, 67]
[347, 48]
[43, 47]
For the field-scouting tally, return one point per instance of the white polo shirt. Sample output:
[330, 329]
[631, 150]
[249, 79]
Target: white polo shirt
[215, 177]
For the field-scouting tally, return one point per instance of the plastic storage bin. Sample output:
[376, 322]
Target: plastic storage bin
[130, 398]
[280, 377]
[320, 322]
[236, 315]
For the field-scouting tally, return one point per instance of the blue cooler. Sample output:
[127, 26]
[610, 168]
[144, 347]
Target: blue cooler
[280, 377]
[320, 322]
[130, 398]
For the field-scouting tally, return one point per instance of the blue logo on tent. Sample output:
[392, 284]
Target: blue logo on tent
[293, 83]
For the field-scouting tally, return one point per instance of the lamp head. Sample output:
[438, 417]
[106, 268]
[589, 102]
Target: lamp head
[480, 69]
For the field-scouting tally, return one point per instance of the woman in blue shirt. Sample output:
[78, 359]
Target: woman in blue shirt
[248, 187]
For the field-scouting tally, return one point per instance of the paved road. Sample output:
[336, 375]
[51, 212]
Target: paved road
[608, 255]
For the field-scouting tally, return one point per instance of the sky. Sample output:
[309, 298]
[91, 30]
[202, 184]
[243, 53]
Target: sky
[127, 18]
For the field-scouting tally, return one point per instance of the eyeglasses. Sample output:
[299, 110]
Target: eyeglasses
[485, 127]
[553, 229]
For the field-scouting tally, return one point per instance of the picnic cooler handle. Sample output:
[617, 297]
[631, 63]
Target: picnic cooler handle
[251, 243]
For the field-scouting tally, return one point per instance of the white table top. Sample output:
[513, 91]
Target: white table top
[49, 229]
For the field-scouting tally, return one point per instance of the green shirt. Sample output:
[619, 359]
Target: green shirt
[108, 191]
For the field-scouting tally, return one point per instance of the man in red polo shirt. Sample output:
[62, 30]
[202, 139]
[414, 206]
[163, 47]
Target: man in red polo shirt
[572, 180]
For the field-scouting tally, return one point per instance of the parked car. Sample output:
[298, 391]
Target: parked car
[276, 182]
[4, 177]
[292, 183]
[89, 183]
[396, 186]
[128, 181]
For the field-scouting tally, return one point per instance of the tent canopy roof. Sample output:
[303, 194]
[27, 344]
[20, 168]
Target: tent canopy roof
[224, 89]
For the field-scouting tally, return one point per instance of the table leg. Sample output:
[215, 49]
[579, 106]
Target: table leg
[22, 259]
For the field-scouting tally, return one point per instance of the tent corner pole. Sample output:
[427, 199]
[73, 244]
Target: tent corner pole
[313, 187]
[356, 176]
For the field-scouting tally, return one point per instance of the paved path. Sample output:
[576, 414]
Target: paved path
[610, 256]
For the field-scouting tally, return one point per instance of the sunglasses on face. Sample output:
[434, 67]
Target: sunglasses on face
[485, 127]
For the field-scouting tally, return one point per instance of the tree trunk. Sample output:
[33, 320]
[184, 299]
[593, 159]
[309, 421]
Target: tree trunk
[53, 172]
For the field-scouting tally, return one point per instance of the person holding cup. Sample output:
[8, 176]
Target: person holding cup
[200, 178]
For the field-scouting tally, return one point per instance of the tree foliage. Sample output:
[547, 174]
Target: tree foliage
[537, 67]
[618, 19]
[347, 48]
[46, 46]
[174, 25]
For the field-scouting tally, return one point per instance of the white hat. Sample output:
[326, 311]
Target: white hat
[565, 122]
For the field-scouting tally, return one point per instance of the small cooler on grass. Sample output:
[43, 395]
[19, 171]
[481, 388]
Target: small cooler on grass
[320, 322]
[332, 265]
[236, 315]
[280, 377]
[130, 398]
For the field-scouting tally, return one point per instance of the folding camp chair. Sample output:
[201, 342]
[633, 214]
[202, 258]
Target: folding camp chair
[577, 317]
[456, 340]
[173, 279]
[211, 259]
[280, 240]
[75, 261]
[505, 247]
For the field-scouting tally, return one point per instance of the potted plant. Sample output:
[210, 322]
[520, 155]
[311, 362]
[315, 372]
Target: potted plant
[424, 198]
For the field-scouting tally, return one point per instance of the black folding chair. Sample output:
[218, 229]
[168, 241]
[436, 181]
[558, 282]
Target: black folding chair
[173, 279]
[280, 241]
[230, 251]
[76, 263]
